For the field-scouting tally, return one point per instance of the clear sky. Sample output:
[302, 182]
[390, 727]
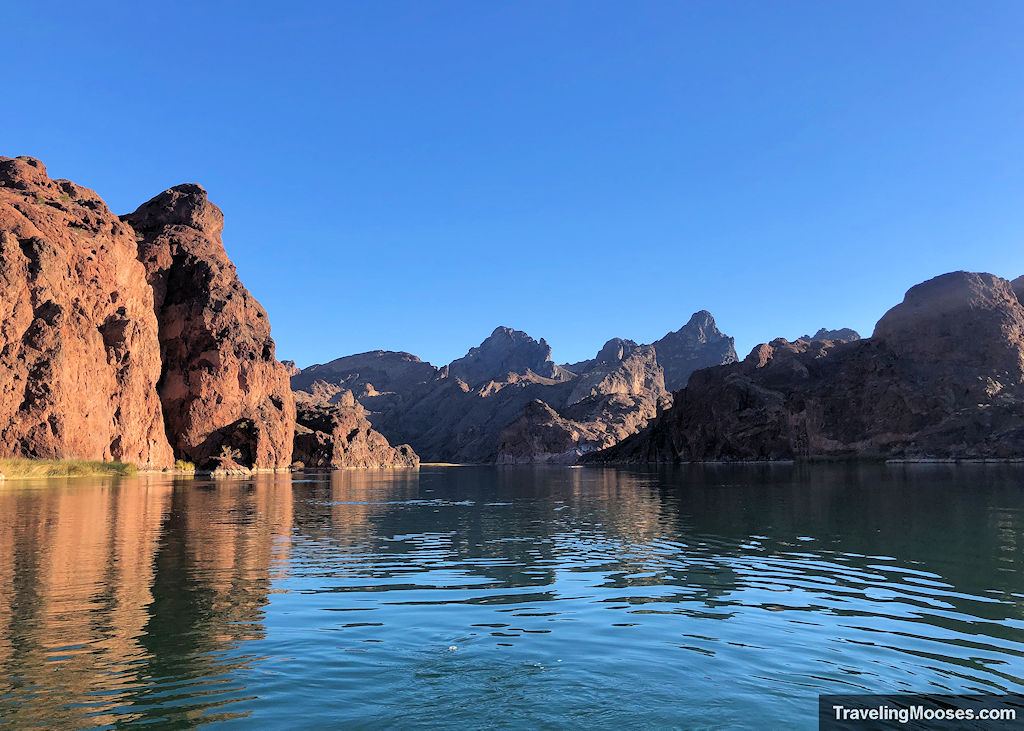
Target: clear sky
[408, 175]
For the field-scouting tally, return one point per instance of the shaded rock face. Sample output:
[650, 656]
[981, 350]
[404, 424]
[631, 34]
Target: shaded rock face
[697, 344]
[481, 408]
[505, 352]
[942, 376]
[220, 383]
[339, 436]
[380, 374]
[845, 334]
[623, 390]
[79, 351]
[1018, 288]
[290, 368]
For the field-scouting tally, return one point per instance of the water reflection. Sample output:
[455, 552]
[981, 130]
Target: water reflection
[113, 593]
[600, 596]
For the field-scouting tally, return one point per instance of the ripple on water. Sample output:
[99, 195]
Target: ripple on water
[506, 597]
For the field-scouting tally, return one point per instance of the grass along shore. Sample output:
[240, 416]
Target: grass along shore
[22, 469]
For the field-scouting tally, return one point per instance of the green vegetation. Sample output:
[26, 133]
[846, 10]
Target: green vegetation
[20, 469]
[183, 466]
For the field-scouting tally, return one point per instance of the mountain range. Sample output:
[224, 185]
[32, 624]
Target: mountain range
[131, 338]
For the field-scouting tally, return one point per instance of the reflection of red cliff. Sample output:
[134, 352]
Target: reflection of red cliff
[97, 364]
[128, 577]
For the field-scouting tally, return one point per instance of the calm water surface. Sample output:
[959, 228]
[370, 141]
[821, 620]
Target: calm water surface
[506, 597]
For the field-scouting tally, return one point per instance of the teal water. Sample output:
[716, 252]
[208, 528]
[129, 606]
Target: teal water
[506, 597]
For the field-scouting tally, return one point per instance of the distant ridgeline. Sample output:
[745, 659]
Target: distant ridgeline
[506, 401]
[941, 377]
[131, 339]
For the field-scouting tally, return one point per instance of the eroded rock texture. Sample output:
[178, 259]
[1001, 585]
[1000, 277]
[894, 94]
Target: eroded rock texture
[79, 353]
[697, 344]
[507, 401]
[941, 377]
[220, 384]
[339, 436]
[615, 395]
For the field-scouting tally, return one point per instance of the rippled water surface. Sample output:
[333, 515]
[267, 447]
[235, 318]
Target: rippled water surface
[507, 597]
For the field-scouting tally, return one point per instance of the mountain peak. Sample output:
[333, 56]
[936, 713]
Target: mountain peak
[504, 351]
[697, 344]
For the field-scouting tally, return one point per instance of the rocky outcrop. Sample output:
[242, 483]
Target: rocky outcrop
[1018, 288]
[697, 344]
[383, 381]
[220, 384]
[615, 396]
[338, 436]
[844, 333]
[481, 407]
[290, 368]
[505, 352]
[941, 377]
[79, 351]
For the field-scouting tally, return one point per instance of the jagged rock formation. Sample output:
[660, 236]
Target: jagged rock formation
[338, 436]
[843, 333]
[220, 384]
[942, 376]
[697, 344]
[384, 382]
[79, 354]
[504, 353]
[290, 368]
[615, 395]
[480, 408]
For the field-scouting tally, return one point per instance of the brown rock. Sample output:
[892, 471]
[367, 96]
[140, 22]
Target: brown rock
[220, 384]
[480, 408]
[942, 377]
[338, 436]
[844, 333]
[79, 354]
[622, 391]
[505, 352]
[697, 344]
[290, 368]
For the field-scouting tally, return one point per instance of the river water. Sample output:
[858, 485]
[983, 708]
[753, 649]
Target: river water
[506, 597]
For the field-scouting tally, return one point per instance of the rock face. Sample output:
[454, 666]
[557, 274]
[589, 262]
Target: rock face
[339, 436]
[619, 392]
[504, 353]
[845, 334]
[941, 377]
[220, 384]
[507, 401]
[697, 344]
[382, 381]
[290, 368]
[79, 352]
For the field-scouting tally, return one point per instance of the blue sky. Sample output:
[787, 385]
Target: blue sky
[408, 175]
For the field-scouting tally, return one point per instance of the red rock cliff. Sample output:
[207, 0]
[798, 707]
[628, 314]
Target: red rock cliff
[220, 384]
[79, 354]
